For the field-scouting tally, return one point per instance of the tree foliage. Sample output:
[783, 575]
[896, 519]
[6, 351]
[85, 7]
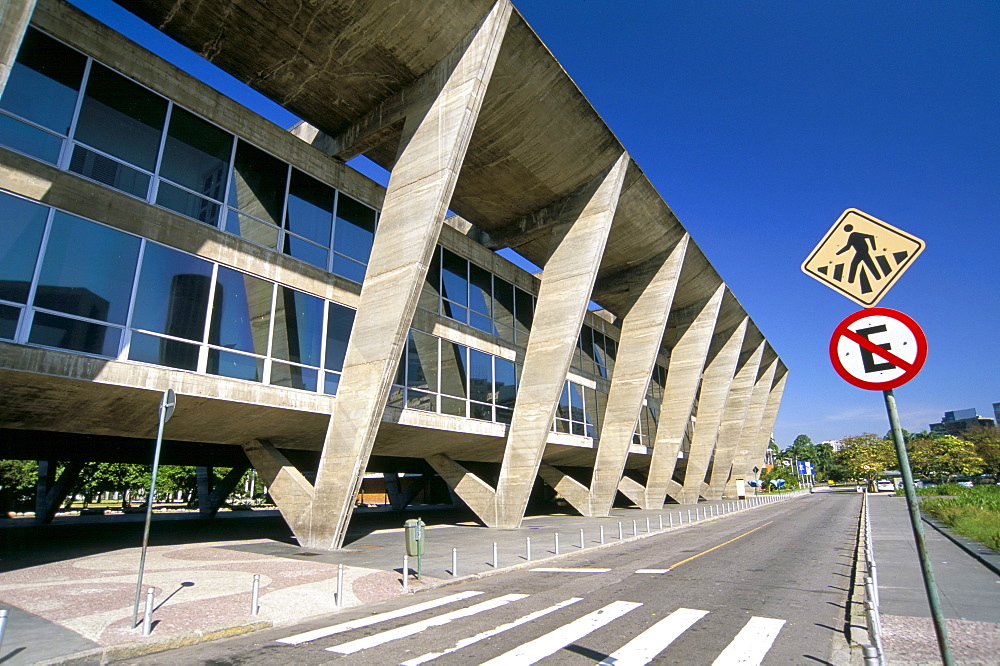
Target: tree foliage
[987, 443]
[17, 485]
[866, 456]
[780, 472]
[947, 455]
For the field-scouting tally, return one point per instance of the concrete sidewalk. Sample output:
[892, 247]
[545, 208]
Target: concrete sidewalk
[70, 586]
[968, 588]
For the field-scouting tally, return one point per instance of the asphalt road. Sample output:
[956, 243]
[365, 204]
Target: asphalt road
[768, 587]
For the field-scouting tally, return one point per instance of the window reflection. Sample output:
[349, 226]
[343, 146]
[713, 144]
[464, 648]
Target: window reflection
[241, 313]
[23, 226]
[75, 335]
[44, 82]
[258, 184]
[298, 327]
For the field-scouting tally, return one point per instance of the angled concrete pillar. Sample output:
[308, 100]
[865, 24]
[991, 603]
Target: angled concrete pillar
[770, 412]
[566, 287]
[638, 346]
[743, 460]
[50, 490]
[14, 18]
[476, 493]
[211, 495]
[717, 380]
[292, 493]
[736, 412]
[687, 360]
[436, 134]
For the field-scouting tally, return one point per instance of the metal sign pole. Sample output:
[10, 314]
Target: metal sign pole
[167, 404]
[918, 529]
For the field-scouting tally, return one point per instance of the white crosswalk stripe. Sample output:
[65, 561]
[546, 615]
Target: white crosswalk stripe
[644, 647]
[374, 619]
[543, 646]
[751, 644]
[415, 628]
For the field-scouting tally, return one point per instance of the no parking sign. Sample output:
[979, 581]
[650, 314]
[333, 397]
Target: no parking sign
[878, 349]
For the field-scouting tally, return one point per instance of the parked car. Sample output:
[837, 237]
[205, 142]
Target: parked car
[885, 484]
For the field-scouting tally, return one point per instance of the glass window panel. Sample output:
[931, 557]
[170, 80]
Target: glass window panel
[481, 322]
[172, 296]
[331, 383]
[236, 366]
[562, 410]
[456, 312]
[453, 374]
[421, 400]
[8, 321]
[109, 172]
[610, 352]
[188, 204]
[294, 376]
[396, 393]
[340, 320]
[602, 405]
[503, 302]
[74, 335]
[505, 333]
[480, 411]
[480, 289]
[87, 270]
[44, 82]
[525, 311]
[504, 415]
[258, 183]
[241, 313]
[422, 361]
[23, 225]
[591, 411]
[562, 426]
[454, 282]
[348, 268]
[305, 251]
[161, 351]
[576, 402]
[310, 208]
[579, 429]
[453, 407]
[196, 154]
[298, 327]
[29, 140]
[480, 376]
[355, 230]
[121, 118]
[252, 229]
[505, 382]
[587, 336]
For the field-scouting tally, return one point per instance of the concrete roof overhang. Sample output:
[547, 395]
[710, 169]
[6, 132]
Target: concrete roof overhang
[537, 139]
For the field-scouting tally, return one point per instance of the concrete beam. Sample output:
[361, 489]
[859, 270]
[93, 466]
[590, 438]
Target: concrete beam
[735, 414]
[567, 283]
[476, 493]
[743, 460]
[717, 380]
[291, 492]
[687, 360]
[14, 18]
[436, 135]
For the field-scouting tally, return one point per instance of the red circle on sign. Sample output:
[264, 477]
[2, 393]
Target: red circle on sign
[909, 371]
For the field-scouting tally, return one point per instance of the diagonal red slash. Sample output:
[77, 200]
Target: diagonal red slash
[877, 350]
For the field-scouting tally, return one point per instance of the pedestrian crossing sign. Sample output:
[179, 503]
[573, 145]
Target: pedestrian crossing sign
[862, 257]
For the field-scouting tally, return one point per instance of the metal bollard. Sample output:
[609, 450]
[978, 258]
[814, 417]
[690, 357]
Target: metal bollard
[661, 522]
[406, 573]
[670, 518]
[557, 543]
[581, 538]
[635, 528]
[602, 533]
[647, 524]
[3, 623]
[689, 515]
[454, 562]
[255, 596]
[496, 557]
[340, 586]
[621, 535]
[147, 614]
[527, 548]
[870, 654]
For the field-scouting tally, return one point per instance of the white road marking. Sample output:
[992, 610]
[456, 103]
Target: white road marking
[416, 627]
[543, 646]
[652, 571]
[374, 619]
[465, 642]
[643, 648]
[751, 644]
[570, 570]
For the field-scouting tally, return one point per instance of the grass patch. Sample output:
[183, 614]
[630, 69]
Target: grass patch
[943, 489]
[974, 513]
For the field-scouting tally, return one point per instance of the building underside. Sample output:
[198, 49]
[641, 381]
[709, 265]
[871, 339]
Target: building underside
[320, 326]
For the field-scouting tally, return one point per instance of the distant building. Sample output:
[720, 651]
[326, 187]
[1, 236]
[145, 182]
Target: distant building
[961, 420]
[837, 444]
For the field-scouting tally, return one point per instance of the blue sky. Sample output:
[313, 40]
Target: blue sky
[760, 123]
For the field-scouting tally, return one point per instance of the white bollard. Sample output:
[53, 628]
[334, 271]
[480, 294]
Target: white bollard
[255, 596]
[406, 572]
[454, 562]
[527, 548]
[621, 535]
[557, 543]
[340, 586]
[647, 524]
[3, 623]
[581, 538]
[635, 528]
[496, 560]
[602, 533]
[661, 522]
[670, 517]
[147, 614]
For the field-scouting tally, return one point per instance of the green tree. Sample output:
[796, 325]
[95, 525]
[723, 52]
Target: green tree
[780, 472]
[17, 485]
[866, 456]
[124, 478]
[946, 455]
[987, 443]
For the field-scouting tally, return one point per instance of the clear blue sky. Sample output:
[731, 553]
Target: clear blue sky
[760, 122]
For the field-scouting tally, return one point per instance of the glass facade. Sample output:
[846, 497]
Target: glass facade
[66, 109]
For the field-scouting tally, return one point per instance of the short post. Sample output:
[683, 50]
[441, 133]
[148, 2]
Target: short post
[527, 548]
[661, 522]
[647, 524]
[454, 562]
[870, 654]
[496, 557]
[581, 538]
[255, 596]
[620, 534]
[635, 528]
[406, 572]
[689, 515]
[147, 614]
[340, 586]
[557, 543]
[670, 518]
[3, 623]
[602, 533]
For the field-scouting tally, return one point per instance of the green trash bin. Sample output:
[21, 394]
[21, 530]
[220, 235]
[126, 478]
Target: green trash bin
[414, 531]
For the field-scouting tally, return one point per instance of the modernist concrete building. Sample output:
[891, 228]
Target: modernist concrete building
[318, 326]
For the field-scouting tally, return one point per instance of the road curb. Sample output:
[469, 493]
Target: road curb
[987, 557]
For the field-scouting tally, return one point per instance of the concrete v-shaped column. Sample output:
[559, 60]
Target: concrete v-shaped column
[435, 137]
[735, 414]
[566, 287]
[743, 461]
[639, 343]
[717, 380]
[15, 15]
[687, 360]
[770, 412]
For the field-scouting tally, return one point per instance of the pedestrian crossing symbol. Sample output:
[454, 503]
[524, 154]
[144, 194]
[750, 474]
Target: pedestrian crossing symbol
[862, 257]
